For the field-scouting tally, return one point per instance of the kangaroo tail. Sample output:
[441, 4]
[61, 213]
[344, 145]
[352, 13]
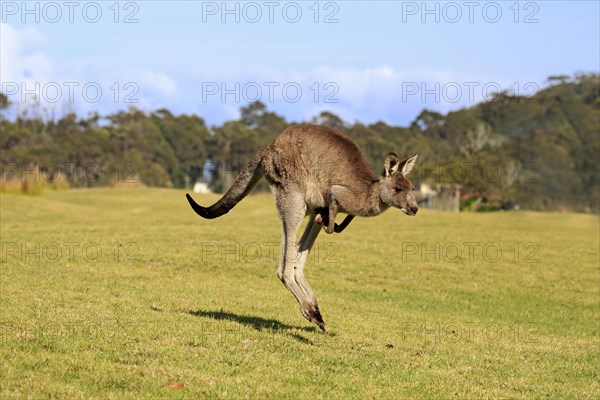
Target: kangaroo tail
[242, 185]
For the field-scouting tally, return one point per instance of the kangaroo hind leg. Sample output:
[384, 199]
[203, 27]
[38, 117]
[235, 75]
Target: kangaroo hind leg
[306, 243]
[292, 208]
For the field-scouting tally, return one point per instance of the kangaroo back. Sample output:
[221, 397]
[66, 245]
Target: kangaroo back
[242, 185]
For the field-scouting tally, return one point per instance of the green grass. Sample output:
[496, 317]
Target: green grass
[115, 293]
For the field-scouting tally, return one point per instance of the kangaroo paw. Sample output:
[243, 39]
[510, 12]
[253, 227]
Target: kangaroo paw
[322, 216]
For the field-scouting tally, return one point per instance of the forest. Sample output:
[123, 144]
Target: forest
[540, 151]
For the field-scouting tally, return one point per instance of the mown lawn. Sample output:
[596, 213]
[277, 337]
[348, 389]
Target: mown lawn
[123, 293]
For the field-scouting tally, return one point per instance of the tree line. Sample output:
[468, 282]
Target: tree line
[540, 152]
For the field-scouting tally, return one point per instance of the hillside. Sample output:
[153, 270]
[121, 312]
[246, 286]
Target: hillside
[540, 152]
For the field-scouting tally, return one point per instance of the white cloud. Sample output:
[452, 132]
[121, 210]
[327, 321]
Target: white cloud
[379, 92]
[366, 94]
[382, 92]
[25, 67]
[158, 83]
[21, 56]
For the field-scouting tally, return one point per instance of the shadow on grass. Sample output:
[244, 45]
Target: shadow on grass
[258, 323]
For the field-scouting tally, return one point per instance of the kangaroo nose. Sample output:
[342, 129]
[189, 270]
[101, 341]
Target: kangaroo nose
[414, 210]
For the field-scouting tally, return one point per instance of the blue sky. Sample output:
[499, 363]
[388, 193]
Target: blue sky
[376, 60]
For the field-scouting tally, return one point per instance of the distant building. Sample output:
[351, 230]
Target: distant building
[439, 196]
[201, 187]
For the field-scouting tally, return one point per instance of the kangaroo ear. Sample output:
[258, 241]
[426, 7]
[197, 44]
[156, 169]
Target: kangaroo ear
[390, 166]
[408, 164]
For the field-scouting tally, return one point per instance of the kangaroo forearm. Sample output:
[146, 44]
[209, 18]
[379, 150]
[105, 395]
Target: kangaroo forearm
[339, 228]
[330, 228]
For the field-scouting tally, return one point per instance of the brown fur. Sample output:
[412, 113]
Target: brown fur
[317, 170]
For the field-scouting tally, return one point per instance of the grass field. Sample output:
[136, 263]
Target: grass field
[126, 293]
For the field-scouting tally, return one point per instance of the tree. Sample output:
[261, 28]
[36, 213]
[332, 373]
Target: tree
[4, 103]
[428, 120]
[252, 114]
[329, 119]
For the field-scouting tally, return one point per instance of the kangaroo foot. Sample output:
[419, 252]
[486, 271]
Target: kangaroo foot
[313, 314]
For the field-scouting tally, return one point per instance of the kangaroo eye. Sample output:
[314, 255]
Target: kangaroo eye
[398, 190]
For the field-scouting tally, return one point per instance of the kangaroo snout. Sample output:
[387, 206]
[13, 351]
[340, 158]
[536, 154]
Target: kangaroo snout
[410, 210]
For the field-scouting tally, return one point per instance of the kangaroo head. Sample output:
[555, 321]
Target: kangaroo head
[395, 188]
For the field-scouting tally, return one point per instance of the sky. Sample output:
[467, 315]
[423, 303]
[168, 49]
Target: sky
[366, 61]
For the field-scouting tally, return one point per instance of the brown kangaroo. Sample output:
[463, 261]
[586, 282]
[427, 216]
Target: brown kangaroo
[317, 171]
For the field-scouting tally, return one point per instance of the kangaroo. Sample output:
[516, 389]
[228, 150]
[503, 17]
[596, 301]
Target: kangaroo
[317, 171]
